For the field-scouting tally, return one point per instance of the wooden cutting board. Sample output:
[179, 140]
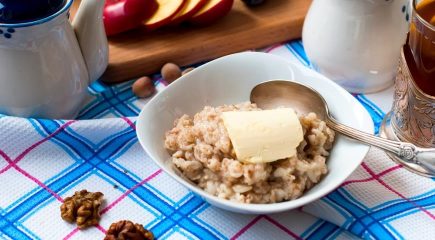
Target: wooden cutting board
[138, 53]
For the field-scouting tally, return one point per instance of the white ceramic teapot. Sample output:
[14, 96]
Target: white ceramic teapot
[356, 43]
[46, 64]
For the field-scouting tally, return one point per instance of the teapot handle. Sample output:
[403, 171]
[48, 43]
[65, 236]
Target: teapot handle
[89, 28]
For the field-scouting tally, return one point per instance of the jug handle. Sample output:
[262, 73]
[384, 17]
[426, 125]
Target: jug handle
[89, 28]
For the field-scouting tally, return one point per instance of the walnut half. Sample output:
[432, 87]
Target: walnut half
[82, 208]
[127, 230]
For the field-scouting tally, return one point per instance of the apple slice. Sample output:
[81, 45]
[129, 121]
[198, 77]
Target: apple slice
[211, 12]
[120, 16]
[190, 8]
[166, 11]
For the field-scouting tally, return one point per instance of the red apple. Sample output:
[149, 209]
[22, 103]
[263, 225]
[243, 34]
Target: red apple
[166, 11]
[211, 12]
[123, 15]
[190, 8]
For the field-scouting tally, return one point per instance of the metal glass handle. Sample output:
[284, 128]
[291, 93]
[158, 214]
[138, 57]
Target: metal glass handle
[408, 152]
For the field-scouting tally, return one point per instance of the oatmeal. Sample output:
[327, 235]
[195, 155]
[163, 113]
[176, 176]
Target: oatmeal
[202, 150]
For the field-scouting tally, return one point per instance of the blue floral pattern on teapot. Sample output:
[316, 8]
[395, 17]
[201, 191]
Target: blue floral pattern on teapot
[7, 33]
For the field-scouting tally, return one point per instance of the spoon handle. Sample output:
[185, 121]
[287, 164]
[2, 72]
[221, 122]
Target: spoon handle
[408, 152]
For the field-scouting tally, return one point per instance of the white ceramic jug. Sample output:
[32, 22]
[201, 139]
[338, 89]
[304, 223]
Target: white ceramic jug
[46, 64]
[356, 43]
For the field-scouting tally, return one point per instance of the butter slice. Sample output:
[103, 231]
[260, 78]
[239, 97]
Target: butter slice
[264, 136]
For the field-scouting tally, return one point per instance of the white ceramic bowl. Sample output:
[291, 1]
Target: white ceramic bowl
[229, 80]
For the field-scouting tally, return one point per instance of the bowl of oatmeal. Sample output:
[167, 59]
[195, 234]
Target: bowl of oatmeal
[201, 149]
[182, 130]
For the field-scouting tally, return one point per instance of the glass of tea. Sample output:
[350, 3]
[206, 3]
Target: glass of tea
[422, 44]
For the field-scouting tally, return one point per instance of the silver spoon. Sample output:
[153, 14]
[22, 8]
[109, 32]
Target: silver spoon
[282, 93]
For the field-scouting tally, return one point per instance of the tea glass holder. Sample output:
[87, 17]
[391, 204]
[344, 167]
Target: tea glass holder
[412, 118]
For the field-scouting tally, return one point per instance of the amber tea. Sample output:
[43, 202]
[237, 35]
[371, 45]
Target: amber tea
[422, 44]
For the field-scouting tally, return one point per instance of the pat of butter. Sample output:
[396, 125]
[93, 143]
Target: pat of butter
[264, 136]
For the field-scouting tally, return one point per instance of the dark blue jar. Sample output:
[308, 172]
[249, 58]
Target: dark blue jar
[21, 11]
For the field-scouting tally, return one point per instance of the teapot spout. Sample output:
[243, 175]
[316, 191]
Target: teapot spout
[89, 28]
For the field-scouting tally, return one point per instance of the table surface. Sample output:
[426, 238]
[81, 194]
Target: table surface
[44, 161]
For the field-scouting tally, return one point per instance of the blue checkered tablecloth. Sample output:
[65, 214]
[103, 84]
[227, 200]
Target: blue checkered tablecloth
[44, 161]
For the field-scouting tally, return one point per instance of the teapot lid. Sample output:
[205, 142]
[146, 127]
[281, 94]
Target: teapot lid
[21, 11]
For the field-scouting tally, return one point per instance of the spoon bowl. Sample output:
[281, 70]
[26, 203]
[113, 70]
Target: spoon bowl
[282, 93]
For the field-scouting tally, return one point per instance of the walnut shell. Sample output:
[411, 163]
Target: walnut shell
[127, 230]
[83, 208]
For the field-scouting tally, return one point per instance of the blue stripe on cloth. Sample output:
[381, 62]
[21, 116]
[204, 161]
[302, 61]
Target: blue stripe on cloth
[28, 232]
[102, 106]
[295, 53]
[123, 150]
[143, 193]
[114, 163]
[403, 208]
[14, 233]
[178, 230]
[358, 227]
[324, 231]
[123, 190]
[161, 195]
[108, 150]
[124, 169]
[197, 230]
[201, 222]
[184, 199]
[389, 213]
[311, 228]
[98, 86]
[102, 141]
[41, 132]
[299, 48]
[133, 106]
[343, 212]
[352, 199]
[125, 95]
[385, 204]
[9, 229]
[335, 234]
[401, 215]
[78, 146]
[122, 108]
[378, 111]
[3, 222]
[194, 203]
[374, 111]
[175, 219]
[112, 100]
[93, 110]
[188, 208]
[137, 178]
[162, 227]
[394, 231]
[357, 203]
